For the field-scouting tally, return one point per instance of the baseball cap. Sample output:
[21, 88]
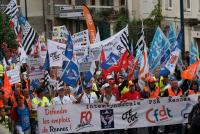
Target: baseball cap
[89, 85]
[105, 86]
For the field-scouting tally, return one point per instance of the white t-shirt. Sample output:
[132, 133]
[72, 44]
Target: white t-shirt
[91, 98]
[110, 100]
[65, 100]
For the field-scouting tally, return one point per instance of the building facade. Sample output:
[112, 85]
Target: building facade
[171, 12]
[44, 14]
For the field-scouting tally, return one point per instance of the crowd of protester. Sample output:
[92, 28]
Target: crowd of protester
[18, 111]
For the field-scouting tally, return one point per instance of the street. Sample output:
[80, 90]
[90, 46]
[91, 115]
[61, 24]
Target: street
[3, 130]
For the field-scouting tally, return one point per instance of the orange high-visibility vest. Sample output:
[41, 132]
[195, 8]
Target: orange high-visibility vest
[154, 94]
[191, 92]
[171, 92]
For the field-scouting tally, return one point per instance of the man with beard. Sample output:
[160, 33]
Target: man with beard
[173, 90]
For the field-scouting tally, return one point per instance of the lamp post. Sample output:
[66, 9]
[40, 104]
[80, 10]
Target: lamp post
[25, 3]
[182, 25]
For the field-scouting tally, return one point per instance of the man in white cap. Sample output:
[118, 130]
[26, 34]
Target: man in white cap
[107, 97]
[87, 96]
[61, 99]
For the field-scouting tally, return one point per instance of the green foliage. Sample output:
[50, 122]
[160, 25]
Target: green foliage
[156, 14]
[135, 26]
[7, 35]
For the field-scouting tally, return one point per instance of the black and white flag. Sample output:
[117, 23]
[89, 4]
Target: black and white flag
[11, 9]
[29, 35]
[46, 80]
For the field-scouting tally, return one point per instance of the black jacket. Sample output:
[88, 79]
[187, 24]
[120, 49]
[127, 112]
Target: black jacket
[195, 126]
[194, 113]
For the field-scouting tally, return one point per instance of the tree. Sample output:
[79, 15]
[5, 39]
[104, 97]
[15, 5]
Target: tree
[7, 35]
[135, 25]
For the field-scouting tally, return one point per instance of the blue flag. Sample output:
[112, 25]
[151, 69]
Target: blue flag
[69, 48]
[71, 74]
[110, 61]
[194, 52]
[171, 34]
[172, 40]
[87, 77]
[159, 46]
[46, 65]
[175, 54]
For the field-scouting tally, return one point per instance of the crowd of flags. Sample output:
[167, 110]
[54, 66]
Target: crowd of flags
[164, 52]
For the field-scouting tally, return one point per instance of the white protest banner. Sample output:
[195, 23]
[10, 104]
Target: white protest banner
[35, 68]
[81, 39]
[43, 47]
[60, 34]
[56, 53]
[117, 44]
[85, 63]
[76, 118]
[13, 76]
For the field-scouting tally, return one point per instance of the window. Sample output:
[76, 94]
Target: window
[168, 4]
[106, 2]
[122, 2]
[18, 2]
[80, 2]
[188, 5]
[69, 2]
[92, 2]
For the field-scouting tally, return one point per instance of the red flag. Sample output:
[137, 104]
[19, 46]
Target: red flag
[130, 74]
[11, 24]
[124, 63]
[102, 57]
[19, 39]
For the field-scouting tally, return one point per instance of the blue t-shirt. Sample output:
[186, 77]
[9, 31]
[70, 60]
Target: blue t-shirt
[23, 118]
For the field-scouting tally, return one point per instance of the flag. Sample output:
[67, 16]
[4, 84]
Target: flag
[87, 76]
[125, 59]
[102, 60]
[11, 9]
[90, 24]
[29, 35]
[36, 49]
[124, 39]
[194, 52]
[71, 74]
[46, 80]
[102, 56]
[142, 57]
[190, 72]
[35, 83]
[60, 84]
[131, 72]
[23, 57]
[19, 39]
[69, 48]
[111, 60]
[171, 34]
[46, 65]
[97, 39]
[159, 48]
[171, 63]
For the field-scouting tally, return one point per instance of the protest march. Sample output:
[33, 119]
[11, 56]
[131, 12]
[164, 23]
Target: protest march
[78, 83]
